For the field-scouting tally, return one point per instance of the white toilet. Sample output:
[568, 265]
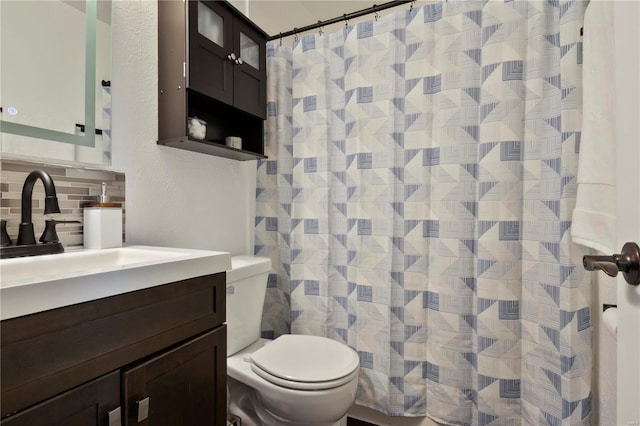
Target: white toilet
[292, 380]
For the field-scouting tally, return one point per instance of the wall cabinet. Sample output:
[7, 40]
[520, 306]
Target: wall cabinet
[155, 356]
[227, 57]
[211, 65]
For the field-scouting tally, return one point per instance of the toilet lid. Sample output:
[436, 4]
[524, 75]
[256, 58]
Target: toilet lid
[305, 362]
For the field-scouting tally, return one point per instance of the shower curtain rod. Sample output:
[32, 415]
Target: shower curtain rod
[345, 17]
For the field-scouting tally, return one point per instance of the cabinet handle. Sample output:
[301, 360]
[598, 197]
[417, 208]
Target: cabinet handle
[239, 61]
[143, 409]
[115, 417]
[231, 56]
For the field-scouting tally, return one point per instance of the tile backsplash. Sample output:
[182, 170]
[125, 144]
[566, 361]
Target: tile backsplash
[74, 186]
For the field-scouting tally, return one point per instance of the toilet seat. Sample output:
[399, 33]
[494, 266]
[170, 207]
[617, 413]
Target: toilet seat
[305, 362]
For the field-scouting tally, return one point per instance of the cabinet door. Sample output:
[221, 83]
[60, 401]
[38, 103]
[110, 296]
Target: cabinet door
[86, 405]
[184, 386]
[210, 43]
[250, 76]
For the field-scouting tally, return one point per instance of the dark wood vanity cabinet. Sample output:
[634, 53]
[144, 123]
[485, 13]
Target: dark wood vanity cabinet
[179, 386]
[91, 404]
[151, 357]
[211, 65]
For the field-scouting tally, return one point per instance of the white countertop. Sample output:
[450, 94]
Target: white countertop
[35, 284]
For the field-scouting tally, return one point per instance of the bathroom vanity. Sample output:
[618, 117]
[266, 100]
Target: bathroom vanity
[154, 355]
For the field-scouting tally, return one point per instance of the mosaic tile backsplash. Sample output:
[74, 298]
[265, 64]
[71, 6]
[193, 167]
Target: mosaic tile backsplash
[74, 186]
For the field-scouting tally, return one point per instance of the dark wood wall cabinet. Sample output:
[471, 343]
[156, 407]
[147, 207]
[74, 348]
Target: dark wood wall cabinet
[151, 357]
[211, 65]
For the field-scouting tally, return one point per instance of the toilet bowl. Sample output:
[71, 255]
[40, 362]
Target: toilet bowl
[292, 380]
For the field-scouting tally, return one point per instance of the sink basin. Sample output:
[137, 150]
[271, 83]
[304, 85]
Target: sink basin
[37, 283]
[41, 268]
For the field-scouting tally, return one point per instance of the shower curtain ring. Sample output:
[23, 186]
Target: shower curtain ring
[346, 21]
[280, 39]
[412, 3]
[376, 16]
[320, 31]
[295, 35]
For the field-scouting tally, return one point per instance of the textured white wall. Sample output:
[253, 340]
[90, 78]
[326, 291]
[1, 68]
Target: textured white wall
[174, 197]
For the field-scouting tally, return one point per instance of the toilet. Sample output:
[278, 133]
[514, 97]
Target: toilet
[292, 380]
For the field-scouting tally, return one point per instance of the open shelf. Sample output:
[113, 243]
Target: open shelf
[222, 121]
[212, 148]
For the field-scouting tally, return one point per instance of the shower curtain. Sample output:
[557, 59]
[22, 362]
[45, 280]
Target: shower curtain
[416, 202]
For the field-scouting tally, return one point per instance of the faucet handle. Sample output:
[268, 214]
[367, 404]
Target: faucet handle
[6, 239]
[50, 235]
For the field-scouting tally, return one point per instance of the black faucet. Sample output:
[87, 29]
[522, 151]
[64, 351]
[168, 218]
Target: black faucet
[26, 244]
[25, 233]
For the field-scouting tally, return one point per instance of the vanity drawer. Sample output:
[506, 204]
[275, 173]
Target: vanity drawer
[49, 352]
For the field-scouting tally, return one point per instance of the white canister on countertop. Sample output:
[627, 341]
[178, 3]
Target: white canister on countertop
[102, 223]
[103, 226]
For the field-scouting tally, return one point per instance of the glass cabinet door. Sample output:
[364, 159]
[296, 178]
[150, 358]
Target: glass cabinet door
[249, 51]
[250, 75]
[210, 24]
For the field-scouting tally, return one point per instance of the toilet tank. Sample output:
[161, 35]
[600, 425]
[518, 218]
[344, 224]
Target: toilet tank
[246, 288]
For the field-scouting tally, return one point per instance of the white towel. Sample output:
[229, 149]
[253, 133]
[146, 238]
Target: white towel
[594, 216]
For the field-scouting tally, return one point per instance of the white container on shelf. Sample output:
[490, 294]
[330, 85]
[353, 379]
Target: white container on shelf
[233, 142]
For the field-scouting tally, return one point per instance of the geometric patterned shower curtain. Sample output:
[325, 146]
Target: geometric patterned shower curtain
[416, 204]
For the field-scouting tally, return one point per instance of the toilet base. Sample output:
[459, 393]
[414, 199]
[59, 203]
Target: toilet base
[245, 403]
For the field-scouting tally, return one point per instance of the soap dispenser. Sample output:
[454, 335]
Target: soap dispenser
[102, 223]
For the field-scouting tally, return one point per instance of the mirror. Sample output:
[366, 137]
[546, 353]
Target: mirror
[55, 71]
